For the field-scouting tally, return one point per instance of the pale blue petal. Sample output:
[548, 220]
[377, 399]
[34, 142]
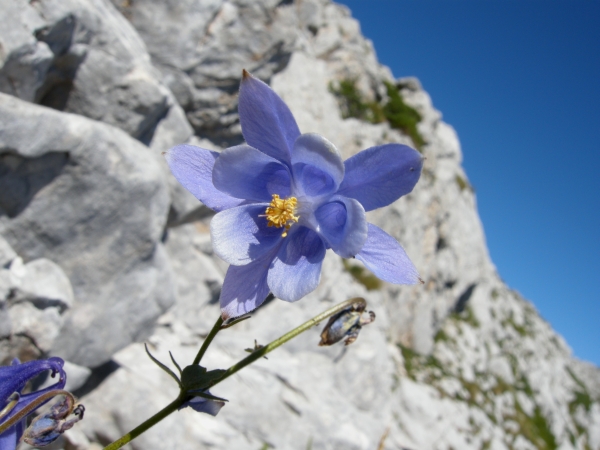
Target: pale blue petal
[192, 167]
[380, 175]
[239, 235]
[384, 256]
[343, 225]
[244, 172]
[267, 122]
[296, 270]
[317, 165]
[245, 287]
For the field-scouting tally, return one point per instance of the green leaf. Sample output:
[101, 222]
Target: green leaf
[197, 378]
[162, 366]
[175, 362]
[191, 374]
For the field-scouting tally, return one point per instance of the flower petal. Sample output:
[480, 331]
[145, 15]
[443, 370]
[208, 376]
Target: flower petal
[343, 225]
[239, 235]
[10, 438]
[245, 287]
[317, 165]
[203, 405]
[267, 122]
[193, 167]
[244, 172]
[14, 378]
[380, 175]
[384, 256]
[296, 270]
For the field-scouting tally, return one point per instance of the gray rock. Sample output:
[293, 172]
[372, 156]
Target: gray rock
[7, 254]
[86, 195]
[24, 61]
[33, 299]
[196, 45]
[83, 57]
[86, 59]
[45, 284]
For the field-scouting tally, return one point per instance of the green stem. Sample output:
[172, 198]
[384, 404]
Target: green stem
[208, 340]
[172, 407]
[259, 353]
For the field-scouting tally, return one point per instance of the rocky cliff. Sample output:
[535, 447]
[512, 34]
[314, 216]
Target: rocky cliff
[100, 249]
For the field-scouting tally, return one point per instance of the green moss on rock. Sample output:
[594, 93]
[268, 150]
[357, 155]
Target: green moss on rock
[394, 111]
[402, 116]
[353, 104]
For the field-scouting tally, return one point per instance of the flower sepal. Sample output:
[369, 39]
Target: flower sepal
[203, 401]
[193, 382]
[207, 395]
[164, 367]
[197, 378]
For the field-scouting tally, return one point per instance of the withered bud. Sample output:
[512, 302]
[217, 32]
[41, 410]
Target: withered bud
[346, 324]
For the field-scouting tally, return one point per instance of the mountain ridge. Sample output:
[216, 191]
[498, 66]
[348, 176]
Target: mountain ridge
[459, 362]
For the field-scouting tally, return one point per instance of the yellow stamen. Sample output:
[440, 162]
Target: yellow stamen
[280, 213]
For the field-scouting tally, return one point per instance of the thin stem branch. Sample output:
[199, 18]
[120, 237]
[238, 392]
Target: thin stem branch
[170, 408]
[259, 353]
[208, 340]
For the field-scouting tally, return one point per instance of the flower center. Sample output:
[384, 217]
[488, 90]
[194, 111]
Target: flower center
[280, 213]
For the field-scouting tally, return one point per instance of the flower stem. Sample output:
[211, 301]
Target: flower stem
[208, 340]
[171, 407]
[256, 354]
[259, 353]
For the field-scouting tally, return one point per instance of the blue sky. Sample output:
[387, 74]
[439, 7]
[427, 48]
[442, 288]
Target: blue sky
[520, 82]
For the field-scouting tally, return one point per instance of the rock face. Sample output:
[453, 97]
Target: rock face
[89, 197]
[33, 298]
[101, 249]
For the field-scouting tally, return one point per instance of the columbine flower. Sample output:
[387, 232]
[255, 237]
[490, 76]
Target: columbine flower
[12, 381]
[284, 198]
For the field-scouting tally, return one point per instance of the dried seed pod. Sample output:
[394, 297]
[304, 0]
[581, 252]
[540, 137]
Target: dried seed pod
[346, 324]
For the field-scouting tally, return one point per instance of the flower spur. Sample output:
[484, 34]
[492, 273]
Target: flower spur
[283, 198]
[16, 405]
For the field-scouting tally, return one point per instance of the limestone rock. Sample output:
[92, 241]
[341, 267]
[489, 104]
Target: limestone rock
[86, 60]
[83, 57]
[33, 299]
[88, 196]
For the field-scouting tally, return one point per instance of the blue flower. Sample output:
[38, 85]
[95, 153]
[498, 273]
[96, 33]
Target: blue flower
[12, 381]
[283, 198]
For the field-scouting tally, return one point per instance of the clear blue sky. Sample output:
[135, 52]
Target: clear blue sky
[520, 82]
